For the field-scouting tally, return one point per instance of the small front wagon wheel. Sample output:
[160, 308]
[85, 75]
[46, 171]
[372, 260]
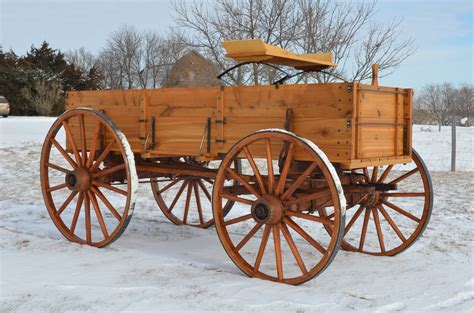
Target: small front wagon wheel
[275, 202]
[89, 185]
[186, 200]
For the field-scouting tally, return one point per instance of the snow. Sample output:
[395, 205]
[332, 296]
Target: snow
[157, 266]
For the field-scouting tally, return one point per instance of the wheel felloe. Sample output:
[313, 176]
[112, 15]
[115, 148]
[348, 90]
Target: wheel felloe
[77, 178]
[263, 234]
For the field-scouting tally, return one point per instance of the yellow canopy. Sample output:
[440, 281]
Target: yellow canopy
[255, 50]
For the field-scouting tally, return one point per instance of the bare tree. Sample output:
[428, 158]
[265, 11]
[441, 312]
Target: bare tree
[133, 59]
[82, 59]
[43, 94]
[345, 28]
[464, 101]
[438, 101]
[121, 56]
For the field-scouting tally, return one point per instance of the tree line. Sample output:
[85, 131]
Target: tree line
[34, 84]
[130, 59]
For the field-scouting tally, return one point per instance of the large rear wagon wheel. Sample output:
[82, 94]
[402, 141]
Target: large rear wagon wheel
[270, 203]
[389, 222]
[89, 196]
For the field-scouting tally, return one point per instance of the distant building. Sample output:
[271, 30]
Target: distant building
[192, 70]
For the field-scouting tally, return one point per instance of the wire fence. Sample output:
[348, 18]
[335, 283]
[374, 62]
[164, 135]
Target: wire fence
[435, 147]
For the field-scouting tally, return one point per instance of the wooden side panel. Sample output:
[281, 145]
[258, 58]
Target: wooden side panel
[352, 123]
[121, 106]
[320, 114]
[181, 116]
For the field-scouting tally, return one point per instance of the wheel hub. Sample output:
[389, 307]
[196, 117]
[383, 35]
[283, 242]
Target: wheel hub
[268, 210]
[373, 200]
[79, 179]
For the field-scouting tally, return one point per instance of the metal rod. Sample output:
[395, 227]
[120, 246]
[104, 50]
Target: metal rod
[377, 90]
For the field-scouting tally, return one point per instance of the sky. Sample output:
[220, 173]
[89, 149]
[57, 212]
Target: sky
[442, 31]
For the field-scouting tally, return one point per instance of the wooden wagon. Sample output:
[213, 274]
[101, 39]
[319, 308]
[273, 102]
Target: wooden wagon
[315, 167]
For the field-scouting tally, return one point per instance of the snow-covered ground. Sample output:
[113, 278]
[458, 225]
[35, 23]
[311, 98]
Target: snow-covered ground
[157, 266]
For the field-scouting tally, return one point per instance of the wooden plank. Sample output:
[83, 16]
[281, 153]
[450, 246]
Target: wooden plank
[310, 100]
[353, 164]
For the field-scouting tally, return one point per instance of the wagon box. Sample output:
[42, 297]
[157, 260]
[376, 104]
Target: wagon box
[354, 124]
[287, 173]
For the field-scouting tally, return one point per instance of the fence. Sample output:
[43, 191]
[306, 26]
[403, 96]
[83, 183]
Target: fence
[435, 147]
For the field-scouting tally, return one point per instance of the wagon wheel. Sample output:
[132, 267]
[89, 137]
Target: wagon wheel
[389, 222]
[75, 184]
[268, 202]
[186, 200]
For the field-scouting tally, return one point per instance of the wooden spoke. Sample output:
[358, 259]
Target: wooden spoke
[178, 195]
[403, 194]
[278, 259]
[392, 223]
[64, 153]
[406, 175]
[107, 203]
[110, 170]
[285, 169]
[261, 249]
[79, 203]
[206, 192]
[58, 168]
[401, 211]
[60, 186]
[304, 234]
[239, 178]
[70, 137]
[364, 229]
[385, 174]
[82, 130]
[258, 176]
[174, 182]
[68, 200]
[366, 172]
[100, 218]
[102, 156]
[238, 219]
[293, 248]
[110, 187]
[374, 174]
[323, 193]
[271, 176]
[310, 217]
[87, 212]
[237, 199]
[198, 202]
[378, 228]
[248, 236]
[298, 181]
[353, 220]
[95, 140]
[188, 200]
